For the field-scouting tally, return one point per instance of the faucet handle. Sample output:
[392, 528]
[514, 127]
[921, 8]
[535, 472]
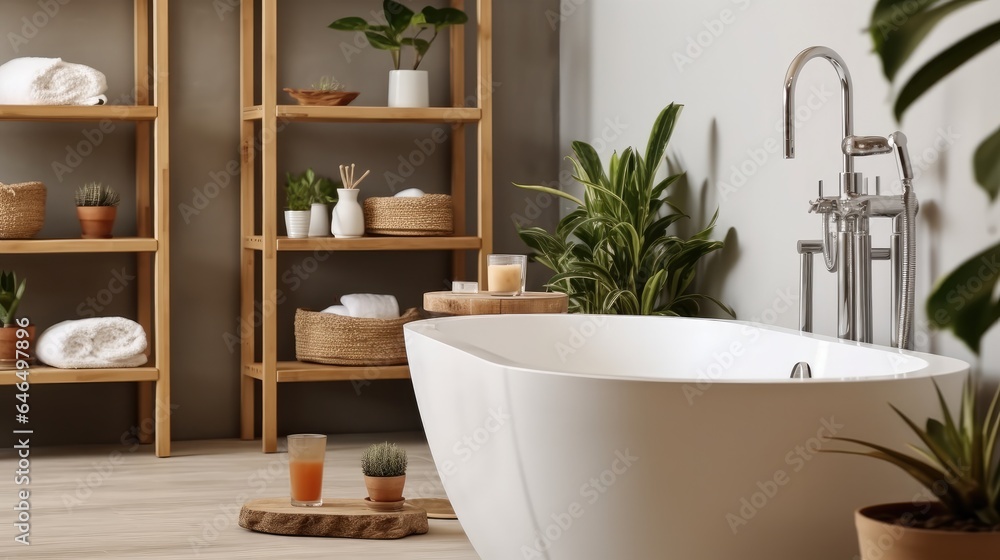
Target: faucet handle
[821, 188]
[878, 185]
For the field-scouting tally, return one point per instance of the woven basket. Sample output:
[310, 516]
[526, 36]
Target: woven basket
[319, 97]
[427, 215]
[327, 338]
[22, 210]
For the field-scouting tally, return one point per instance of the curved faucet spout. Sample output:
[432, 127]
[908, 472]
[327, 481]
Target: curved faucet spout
[846, 92]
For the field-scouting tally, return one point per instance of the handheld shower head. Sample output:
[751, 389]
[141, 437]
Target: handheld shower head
[897, 142]
[865, 145]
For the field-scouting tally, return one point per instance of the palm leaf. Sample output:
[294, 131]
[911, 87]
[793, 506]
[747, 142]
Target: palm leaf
[895, 43]
[986, 164]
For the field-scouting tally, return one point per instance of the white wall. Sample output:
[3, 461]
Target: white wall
[622, 61]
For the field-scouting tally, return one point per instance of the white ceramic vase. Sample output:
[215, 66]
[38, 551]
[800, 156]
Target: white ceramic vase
[319, 220]
[408, 88]
[297, 223]
[348, 217]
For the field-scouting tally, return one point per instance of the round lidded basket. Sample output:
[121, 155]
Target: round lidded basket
[328, 338]
[22, 210]
[427, 215]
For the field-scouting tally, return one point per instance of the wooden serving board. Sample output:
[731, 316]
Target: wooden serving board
[486, 304]
[335, 518]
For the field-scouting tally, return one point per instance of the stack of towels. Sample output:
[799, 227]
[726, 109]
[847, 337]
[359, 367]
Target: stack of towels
[366, 306]
[102, 342]
[50, 81]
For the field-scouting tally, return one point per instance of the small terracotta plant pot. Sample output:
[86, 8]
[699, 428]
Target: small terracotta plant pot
[385, 488]
[96, 222]
[881, 539]
[8, 345]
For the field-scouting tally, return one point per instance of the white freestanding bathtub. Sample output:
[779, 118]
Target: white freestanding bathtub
[574, 437]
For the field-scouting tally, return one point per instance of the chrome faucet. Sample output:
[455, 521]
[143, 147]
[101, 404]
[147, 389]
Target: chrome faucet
[846, 240]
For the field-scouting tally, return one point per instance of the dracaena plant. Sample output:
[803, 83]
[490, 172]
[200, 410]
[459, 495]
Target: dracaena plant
[10, 297]
[615, 254]
[958, 459]
[963, 301]
[397, 20]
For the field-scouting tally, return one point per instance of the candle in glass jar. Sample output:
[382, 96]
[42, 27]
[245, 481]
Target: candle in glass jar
[505, 274]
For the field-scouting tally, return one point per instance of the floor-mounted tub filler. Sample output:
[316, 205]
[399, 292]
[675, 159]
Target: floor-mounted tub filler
[575, 437]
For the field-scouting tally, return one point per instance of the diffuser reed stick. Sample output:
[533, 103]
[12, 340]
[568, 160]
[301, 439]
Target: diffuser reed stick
[347, 176]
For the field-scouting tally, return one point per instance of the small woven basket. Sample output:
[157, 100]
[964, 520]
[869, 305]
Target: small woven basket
[320, 97]
[421, 216]
[22, 210]
[327, 338]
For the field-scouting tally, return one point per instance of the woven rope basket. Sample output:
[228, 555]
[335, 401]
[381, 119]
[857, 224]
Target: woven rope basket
[22, 210]
[426, 215]
[327, 338]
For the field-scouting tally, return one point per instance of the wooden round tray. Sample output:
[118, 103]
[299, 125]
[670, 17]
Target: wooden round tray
[335, 518]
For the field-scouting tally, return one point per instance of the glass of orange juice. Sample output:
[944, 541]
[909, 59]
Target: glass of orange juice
[305, 466]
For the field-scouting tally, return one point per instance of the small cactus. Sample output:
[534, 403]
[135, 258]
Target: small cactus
[96, 194]
[384, 459]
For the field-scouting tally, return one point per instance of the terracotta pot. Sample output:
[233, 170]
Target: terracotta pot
[96, 221]
[886, 541]
[8, 348]
[385, 488]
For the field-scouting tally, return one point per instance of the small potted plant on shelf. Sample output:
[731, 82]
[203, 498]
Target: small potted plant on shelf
[328, 91]
[12, 329]
[959, 466]
[403, 29]
[324, 193]
[384, 467]
[96, 206]
[299, 197]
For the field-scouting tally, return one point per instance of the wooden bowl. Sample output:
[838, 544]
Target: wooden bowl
[317, 97]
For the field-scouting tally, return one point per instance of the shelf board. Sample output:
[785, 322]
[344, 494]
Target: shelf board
[308, 113]
[116, 245]
[42, 374]
[448, 243]
[298, 372]
[77, 113]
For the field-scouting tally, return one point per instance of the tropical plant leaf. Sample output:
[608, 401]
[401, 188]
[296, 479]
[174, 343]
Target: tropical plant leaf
[553, 192]
[963, 300]
[898, 35]
[350, 24]
[397, 16]
[382, 42]
[986, 164]
[663, 128]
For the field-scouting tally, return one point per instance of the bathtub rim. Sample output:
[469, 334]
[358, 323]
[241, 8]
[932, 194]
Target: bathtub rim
[936, 365]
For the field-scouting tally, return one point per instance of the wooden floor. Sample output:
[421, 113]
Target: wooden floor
[118, 502]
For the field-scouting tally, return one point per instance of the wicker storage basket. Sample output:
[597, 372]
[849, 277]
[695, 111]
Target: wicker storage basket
[22, 210]
[327, 338]
[426, 215]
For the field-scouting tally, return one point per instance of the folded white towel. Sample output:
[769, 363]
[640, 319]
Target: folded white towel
[410, 193]
[371, 306]
[50, 81]
[337, 310]
[103, 342]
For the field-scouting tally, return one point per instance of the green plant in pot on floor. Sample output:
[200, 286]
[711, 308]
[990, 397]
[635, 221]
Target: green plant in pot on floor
[17, 337]
[96, 206]
[614, 254]
[384, 467]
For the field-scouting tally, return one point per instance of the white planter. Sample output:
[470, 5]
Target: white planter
[297, 223]
[319, 220]
[348, 217]
[408, 88]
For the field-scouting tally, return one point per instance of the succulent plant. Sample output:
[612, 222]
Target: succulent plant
[96, 194]
[384, 459]
[328, 83]
[958, 461]
[10, 297]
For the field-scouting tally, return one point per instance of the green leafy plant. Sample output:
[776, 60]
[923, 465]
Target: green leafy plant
[613, 254]
[384, 459]
[10, 297]
[302, 190]
[328, 83]
[963, 300]
[390, 35]
[958, 460]
[96, 194]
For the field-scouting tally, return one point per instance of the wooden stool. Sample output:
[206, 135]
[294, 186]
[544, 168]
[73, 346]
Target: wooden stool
[449, 303]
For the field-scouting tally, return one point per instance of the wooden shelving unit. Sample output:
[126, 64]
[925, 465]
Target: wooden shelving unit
[152, 165]
[262, 364]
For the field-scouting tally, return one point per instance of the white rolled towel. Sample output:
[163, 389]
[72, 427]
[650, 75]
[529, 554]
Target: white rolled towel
[102, 342]
[410, 193]
[50, 81]
[371, 306]
[337, 310]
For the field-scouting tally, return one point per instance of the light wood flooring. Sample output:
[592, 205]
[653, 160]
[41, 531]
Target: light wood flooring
[113, 501]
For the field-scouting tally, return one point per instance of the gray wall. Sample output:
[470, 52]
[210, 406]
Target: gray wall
[205, 199]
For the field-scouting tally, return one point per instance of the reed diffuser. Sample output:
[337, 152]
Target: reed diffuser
[348, 217]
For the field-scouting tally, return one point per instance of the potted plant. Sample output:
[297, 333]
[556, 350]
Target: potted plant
[959, 466]
[407, 88]
[384, 467]
[298, 198]
[96, 206]
[614, 254]
[13, 329]
[328, 91]
[323, 192]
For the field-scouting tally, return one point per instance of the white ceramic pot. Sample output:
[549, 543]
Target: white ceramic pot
[319, 220]
[348, 217]
[408, 88]
[297, 223]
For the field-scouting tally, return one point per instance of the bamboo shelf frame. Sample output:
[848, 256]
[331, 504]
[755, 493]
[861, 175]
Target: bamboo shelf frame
[151, 246]
[264, 245]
